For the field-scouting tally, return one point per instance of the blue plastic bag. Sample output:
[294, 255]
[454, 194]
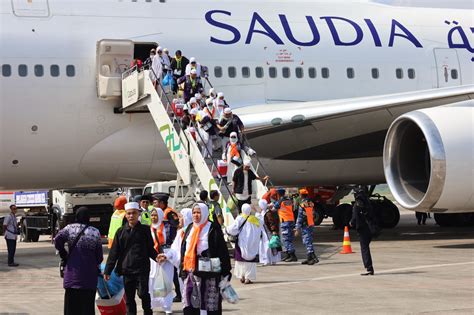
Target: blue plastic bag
[168, 80]
[114, 285]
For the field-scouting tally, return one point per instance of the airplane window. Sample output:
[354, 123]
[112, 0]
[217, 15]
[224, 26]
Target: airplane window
[39, 71]
[312, 73]
[245, 72]
[54, 70]
[22, 70]
[70, 71]
[350, 73]
[375, 73]
[325, 73]
[232, 72]
[272, 71]
[6, 70]
[411, 73]
[454, 74]
[259, 72]
[399, 73]
[218, 72]
[299, 72]
[286, 72]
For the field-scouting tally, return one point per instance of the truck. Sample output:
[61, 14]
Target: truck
[34, 214]
[100, 202]
[179, 195]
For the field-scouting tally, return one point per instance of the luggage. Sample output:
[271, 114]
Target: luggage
[222, 167]
[192, 131]
[178, 107]
[115, 305]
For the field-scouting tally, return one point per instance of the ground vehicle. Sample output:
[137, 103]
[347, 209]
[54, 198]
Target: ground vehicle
[100, 202]
[34, 213]
[179, 194]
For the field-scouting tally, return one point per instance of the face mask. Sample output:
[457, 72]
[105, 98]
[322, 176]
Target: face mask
[233, 140]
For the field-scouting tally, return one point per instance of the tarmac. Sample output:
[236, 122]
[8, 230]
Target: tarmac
[418, 270]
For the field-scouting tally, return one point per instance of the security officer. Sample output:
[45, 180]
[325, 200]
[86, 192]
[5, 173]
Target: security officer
[145, 217]
[305, 223]
[284, 205]
[361, 210]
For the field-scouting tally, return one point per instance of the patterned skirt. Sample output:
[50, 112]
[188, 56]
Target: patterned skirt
[202, 293]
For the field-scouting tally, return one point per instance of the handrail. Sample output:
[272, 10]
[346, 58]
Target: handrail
[180, 129]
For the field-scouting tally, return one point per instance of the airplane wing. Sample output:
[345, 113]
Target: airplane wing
[303, 131]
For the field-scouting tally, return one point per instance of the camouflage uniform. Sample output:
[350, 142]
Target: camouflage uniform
[306, 230]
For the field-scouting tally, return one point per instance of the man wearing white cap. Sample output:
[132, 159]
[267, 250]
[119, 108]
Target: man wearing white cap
[130, 255]
[242, 183]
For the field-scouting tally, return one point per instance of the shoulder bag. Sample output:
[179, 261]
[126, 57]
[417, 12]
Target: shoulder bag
[63, 263]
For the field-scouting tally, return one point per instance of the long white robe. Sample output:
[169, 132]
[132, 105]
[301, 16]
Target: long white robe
[249, 242]
[266, 256]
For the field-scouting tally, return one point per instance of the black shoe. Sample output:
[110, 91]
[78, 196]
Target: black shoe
[292, 258]
[13, 265]
[312, 259]
[177, 299]
[368, 273]
[284, 258]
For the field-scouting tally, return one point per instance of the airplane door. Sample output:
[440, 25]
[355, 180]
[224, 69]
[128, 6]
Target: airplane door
[30, 8]
[113, 57]
[447, 67]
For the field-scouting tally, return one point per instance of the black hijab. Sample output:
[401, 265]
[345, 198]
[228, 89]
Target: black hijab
[83, 216]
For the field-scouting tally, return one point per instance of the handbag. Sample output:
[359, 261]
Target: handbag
[274, 242]
[235, 238]
[63, 263]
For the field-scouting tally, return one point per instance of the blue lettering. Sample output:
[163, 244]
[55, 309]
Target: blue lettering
[335, 34]
[406, 34]
[374, 33]
[289, 33]
[228, 27]
[267, 32]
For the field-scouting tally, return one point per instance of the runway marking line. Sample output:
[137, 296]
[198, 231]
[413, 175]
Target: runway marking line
[388, 271]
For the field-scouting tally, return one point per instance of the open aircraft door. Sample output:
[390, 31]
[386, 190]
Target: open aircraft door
[113, 57]
[447, 67]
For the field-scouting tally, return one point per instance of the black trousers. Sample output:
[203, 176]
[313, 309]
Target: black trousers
[421, 217]
[11, 247]
[134, 283]
[365, 238]
[79, 302]
[240, 203]
[196, 311]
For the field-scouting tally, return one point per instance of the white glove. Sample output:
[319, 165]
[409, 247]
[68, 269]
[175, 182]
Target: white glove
[251, 152]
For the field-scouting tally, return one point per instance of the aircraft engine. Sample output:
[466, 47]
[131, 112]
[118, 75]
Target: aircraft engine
[428, 158]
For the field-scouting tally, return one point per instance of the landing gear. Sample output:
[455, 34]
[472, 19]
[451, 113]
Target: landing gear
[454, 219]
[342, 215]
[318, 213]
[387, 212]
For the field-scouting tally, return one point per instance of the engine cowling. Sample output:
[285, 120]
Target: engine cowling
[429, 158]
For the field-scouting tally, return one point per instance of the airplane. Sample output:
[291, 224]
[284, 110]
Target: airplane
[330, 92]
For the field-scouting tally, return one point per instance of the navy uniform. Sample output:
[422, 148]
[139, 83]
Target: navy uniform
[287, 224]
[361, 209]
[305, 223]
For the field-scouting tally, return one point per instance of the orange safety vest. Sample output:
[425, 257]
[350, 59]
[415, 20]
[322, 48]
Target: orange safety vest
[309, 212]
[167, 211]
[158, 237]
[286, 211]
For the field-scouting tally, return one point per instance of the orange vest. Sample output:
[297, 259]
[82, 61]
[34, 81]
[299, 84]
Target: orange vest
[286, 211]
[167, 211]
[309, 215]
[158, 237]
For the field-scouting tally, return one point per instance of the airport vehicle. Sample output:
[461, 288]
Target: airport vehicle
[34, 214]
[317, 91]
[100, 202]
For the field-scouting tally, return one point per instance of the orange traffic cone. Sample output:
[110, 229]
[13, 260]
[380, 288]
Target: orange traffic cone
[346, 243]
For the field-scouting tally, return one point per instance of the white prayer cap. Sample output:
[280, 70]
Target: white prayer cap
[165, 50]
[227, 110]
[159, 48]
[198, 96]
[233, 134]
[194, 111]
[132, 205]
[193, 71]
[192, 100]
[192, 60]
[220, 94]
[263, 204]
[212, 91]
[246, 209]
[247, 162]
[209, 101]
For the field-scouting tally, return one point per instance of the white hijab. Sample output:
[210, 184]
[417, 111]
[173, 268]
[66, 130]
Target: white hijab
[187, 214]
[263, 204]
[246, 209]
[203, 242]
[161, 216]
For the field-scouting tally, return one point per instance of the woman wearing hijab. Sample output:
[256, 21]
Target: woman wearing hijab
[81, 261]
[271, 225]
[249, 231]
[158, 234]
[201, 243]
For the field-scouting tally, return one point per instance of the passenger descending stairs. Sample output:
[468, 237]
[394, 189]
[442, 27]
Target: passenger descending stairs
[193, 169]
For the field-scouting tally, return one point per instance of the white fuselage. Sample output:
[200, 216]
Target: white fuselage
[55, 132]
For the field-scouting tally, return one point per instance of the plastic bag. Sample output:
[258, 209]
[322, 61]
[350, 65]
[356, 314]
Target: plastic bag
[168, 80]
[163, 285]
[274, 242]
[112, 287]
[227, 291]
